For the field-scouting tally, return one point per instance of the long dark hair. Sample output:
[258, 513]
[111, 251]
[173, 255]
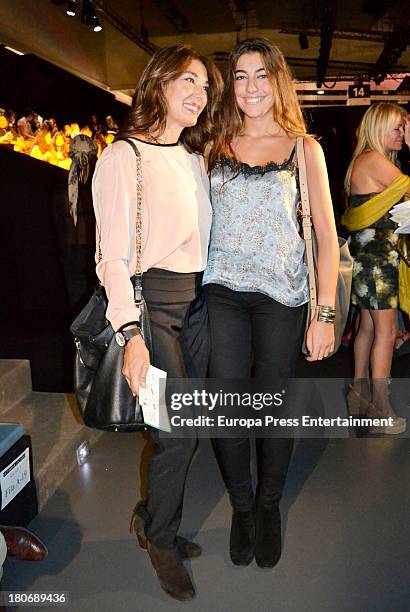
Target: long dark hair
[149, 107]
[286, 108]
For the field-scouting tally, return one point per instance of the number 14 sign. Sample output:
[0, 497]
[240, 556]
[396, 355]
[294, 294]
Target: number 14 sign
[358, 94]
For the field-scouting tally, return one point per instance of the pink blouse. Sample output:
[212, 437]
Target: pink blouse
[176, 217]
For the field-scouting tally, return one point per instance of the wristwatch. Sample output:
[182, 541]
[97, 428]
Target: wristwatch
[124, 336]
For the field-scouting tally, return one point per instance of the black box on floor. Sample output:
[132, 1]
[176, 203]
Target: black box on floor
[22, 508]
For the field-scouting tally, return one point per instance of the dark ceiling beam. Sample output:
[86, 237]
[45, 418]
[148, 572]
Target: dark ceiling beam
[395, 45]
[332, 64]
[344, 67]
[327, 28]
[124, 27]
[170, 10]
[346, 71]
[244, 14]
[363, 35]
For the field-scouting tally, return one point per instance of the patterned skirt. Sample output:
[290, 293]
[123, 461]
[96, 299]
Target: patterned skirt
[375, 268]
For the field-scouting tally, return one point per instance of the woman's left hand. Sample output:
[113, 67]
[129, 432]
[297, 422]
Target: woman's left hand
[320, 340]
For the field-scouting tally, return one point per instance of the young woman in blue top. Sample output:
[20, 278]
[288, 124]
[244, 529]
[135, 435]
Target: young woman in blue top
[256, 282]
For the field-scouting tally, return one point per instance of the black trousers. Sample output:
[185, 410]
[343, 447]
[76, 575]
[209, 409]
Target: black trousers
[253, 335]
[179, 325]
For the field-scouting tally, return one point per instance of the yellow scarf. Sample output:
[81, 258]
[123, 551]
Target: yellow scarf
[371, 211]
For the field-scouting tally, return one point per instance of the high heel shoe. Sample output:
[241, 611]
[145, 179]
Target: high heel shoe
[356, 403]
[242, 538]
[398, 423]
[186, 549]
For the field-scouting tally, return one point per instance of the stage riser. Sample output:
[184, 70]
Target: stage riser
[52, 421]
[15, 383]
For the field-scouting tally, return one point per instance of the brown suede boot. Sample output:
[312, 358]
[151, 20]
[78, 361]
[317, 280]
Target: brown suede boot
[171, 573]
[186, 548]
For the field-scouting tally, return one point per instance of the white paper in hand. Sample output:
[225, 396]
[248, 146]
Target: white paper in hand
[153, 402]
[400, 214]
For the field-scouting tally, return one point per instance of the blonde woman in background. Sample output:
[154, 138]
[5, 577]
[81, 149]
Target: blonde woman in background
[374, 184]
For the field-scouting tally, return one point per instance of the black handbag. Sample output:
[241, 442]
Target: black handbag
[103, 395]
[344, 279]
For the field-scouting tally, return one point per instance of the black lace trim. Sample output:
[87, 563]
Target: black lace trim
[247, 170]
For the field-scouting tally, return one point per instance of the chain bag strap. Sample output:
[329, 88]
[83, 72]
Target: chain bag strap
[138, 226]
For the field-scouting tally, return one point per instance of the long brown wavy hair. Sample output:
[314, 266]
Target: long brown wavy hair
[286, 108]
[148, 112]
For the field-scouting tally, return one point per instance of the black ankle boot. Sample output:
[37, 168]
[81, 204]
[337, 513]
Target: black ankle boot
[242, 540]
[171, 573]
[268, 547]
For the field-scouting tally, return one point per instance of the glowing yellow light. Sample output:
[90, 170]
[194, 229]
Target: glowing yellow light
[59, 139]
[86, 131]
[53, 149]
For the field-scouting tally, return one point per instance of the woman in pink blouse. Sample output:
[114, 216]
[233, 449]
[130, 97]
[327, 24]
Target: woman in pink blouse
[170, 123]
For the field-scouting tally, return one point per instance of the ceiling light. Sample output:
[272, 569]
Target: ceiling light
[71, 8]
[320, 92]
[14, 50]
[97, 27]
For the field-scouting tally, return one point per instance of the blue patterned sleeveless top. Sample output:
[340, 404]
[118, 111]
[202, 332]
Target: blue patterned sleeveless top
[255, 243]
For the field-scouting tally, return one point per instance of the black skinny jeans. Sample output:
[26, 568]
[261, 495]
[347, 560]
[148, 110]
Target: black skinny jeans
[251, 331]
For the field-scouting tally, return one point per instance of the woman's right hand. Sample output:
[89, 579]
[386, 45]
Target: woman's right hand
[320, 340]
[407, 130]
[136, 363]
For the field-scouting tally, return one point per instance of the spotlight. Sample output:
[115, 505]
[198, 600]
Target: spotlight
[97, 27]
[88, 14]
[89, 17]
[303, 41]
[71, 9]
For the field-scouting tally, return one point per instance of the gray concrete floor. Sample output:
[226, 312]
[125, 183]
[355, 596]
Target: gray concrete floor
[346, 534]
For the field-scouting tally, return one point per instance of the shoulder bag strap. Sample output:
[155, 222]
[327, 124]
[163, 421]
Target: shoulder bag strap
[138, 226]
[307, 224]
